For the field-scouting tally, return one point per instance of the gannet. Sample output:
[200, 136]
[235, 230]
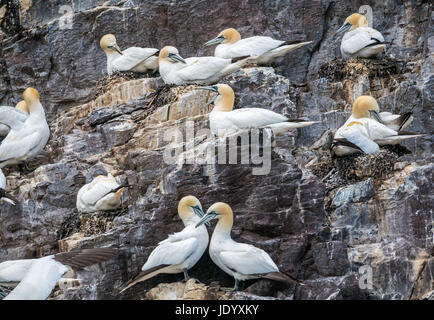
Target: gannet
[367, 129]
[359, 39]
[38, 277]
[223, 118]
[242, 261]
[132, 59]
[3, 195]
[10, 115]
[181, 250]
[195, 70]
[265, 49]
[25, 139]
[104, 193]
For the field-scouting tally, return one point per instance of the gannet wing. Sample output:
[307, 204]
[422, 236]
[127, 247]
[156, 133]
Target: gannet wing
[170, 253]
[251, 260]
[18, 143]
[202, 68]
[131, 57]
[355, 136]
[396, 122]
[361, 39]
[12, 117]
[257, 45]
[254, 117]
[97, 191]
[14, 270]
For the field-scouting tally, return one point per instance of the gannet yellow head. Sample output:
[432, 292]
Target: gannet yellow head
[222, 212]
[109, 45]
[188, 207]
[366, 107]
[230, 36]
[171, 54]
[224, 100]
[22, 106]
[354, 21]
[31, 97]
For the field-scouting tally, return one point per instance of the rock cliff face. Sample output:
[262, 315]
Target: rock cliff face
[329, 223]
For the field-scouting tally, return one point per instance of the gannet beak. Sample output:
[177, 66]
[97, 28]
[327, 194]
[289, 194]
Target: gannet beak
[176, 58]
[374, 114]
[199, 212]
[210, 88]
[343, 29]
[216, 40]
[206, 218]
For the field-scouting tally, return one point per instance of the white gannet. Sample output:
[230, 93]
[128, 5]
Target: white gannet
[241, 261]
[38, 277]
[132, 59]
[10, 115]
[195, 70]
[181, 250]
[223, 118]
[3, 195]
[265, 49]
[367, 129]
[25, 140]
[104, 193]
[360, 40]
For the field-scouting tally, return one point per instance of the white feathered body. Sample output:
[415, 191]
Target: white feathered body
[2, 180]
[360, 42]
[198, 70]
[132, 59]
[11, 117]
[98, 195]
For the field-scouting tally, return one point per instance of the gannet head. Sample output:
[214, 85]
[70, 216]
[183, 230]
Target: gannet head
[22, 106]
[222, 212]
[109, 45]
[171, 54]
[366, 107]
[31, 97]
[353, 22]
[224, 100]
[230, 35]
[188, 207]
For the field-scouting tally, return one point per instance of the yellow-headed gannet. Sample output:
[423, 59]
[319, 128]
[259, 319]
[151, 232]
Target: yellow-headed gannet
[367, 129]
[264, 49]
[181, 250]
[25, 140]
[3, 195]
[10, 115]
[359, 39]
[223, 118]
[132, 59]
[240, 260]
[38, 277]
[104, 193]
[195, 70]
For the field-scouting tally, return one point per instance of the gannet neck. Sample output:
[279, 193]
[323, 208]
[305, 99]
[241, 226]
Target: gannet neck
[22, 106]
[186, 211]
[231, 35]
[363, 105]
[225, 100]
[226, 219]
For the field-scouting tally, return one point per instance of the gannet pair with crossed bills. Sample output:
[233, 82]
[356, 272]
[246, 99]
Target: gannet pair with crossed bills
[241, 261]
[3, 195]
[36, 278]
[181, 250]
[223, 119]
[263, 50]
[104, 193]
[132, 59]
[28, 134]
[19, 113]
[195, 70]
[360, 40]
[368, 128]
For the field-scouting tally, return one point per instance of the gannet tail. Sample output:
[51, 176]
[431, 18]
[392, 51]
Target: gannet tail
[281, 127]
[402, 135]
[279, 276]
[144, 275]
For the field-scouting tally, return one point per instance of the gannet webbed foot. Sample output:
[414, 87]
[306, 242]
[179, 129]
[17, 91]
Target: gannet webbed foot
[235, 288]
[186, 276]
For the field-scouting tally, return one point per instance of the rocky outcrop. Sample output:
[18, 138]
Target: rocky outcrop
[324, 221]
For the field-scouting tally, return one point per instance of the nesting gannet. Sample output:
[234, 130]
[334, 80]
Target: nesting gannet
[242, 261]
[3, 195]
[367, 129]
[359, 39]
[132, 59]
[181, 250]
[223, 118]
[38, 277]
[104, 193]
[25, 139]
[265, 49]
[9, 115]
[195, 70]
